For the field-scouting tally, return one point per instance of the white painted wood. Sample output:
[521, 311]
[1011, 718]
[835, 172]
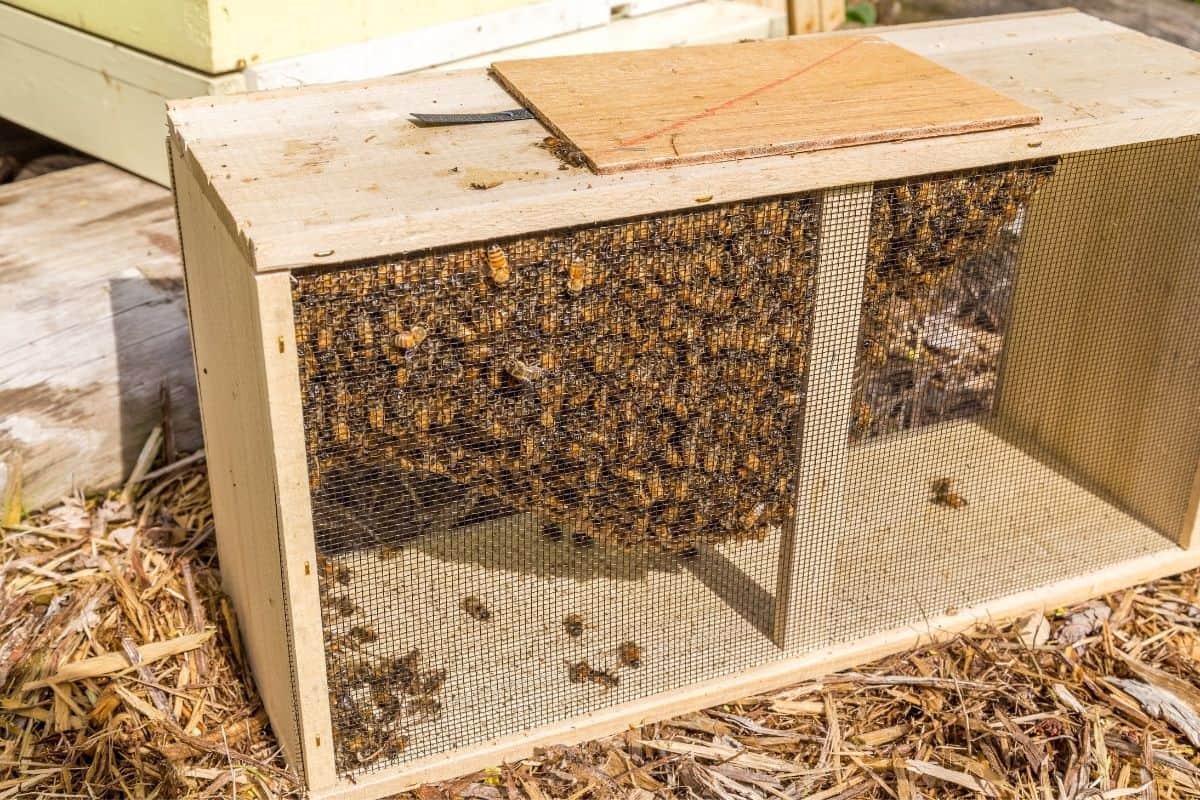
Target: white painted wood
[637, 8]
[437, 44]
[92, 320]
[705, 22]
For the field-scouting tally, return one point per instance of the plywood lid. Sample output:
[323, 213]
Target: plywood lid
[328, 174]
[691, 105]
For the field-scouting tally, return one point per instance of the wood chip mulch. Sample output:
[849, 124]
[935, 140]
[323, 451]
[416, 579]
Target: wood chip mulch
[121, 676]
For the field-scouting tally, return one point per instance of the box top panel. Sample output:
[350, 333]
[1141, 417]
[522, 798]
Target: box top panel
[329, 174]
[690, 105]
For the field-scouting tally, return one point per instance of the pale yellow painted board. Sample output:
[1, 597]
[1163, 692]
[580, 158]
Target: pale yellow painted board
[217, 36]
[104, 99]
[389, 187]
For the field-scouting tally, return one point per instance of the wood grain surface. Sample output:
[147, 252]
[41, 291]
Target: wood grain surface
[660, 108]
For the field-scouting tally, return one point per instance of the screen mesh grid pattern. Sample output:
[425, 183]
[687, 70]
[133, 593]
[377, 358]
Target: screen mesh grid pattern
[564, 471]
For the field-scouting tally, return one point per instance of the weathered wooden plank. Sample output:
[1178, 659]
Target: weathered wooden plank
[92, 322]
[653, 108]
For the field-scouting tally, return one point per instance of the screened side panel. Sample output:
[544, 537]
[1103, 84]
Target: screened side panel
[1025, 400]
[552, 474]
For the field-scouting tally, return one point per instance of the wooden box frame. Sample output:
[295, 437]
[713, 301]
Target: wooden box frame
[241, 238]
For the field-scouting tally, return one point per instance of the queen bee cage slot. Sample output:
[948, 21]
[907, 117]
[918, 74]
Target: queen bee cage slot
[504, 452]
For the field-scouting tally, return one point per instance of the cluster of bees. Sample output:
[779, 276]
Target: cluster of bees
[639, 383]
[375, 701]
[925, 233]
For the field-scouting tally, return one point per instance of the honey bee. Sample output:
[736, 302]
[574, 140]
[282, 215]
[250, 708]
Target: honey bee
[407, 340]
[581, 539]
[751, 517]
[345, 606]
[375, 415]
[475, 608]
[421, 417]
[573, 623]
[425, 707]
[603, 678]
[863, 416]
[552, 532]
[363, 633]
[577, 277]
[325, 339]
[579, 672]
[630, 655]
[526, 373]
[945, 495]
[498, 265]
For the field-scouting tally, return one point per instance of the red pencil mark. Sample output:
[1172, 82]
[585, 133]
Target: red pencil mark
[674, 126]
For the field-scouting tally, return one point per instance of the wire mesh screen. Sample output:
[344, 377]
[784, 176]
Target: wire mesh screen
[1022, 408]
[550, 474]
[561, 472]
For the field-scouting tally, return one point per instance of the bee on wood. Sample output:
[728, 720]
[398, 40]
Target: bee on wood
[475, 608]
[945, 495]
[630, 655]
[573, 624]
[407, 340]
[498, 265]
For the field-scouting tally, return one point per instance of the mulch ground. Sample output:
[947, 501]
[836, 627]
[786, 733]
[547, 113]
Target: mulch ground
[121, 675]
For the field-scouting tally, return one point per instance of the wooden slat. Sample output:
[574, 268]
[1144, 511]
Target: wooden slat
[376, 184]
[239, 439]
[659, 108]
[92, 321]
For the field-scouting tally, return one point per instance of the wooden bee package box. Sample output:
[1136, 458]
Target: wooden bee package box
[523, 432]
